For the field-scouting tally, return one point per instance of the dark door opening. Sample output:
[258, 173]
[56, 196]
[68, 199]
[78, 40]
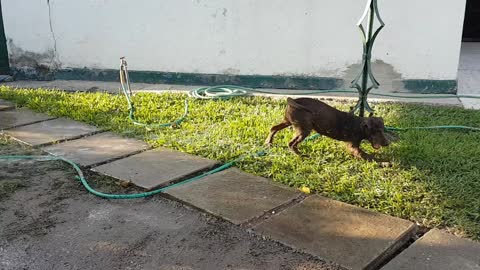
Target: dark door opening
[471, 26]
[4, 65]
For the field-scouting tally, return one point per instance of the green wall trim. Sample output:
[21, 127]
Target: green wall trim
[255, 81]
[431, 86]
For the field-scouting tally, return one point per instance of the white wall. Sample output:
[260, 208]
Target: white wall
[422, 39]
[267, 37]
[28, 32]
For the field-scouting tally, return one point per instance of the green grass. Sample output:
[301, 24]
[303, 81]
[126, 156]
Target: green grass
[434, 180]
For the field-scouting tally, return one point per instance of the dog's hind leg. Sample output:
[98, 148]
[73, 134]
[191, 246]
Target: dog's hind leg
[274, 131]
[301, 135]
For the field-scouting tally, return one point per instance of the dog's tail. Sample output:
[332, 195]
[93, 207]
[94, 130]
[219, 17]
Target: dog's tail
[291, 102]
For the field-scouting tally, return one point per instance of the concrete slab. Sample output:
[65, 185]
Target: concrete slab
[96, 149]
[155, 168]
[51, 131]
[469, 81]
[6, 105]
[469, 84]
[473, 104]
[20, 117]
[438, 250]
[234, 195]
[353, 237]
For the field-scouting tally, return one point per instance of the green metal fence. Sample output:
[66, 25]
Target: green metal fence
[365, 80]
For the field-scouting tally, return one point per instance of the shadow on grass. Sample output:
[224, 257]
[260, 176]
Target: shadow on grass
[448, 162]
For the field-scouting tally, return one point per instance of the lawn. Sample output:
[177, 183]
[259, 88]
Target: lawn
[434, 180]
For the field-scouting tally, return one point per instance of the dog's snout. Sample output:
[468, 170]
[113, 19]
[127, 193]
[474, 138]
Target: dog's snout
[379, 139]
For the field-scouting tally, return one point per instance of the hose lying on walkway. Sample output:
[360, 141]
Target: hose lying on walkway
[84, 182]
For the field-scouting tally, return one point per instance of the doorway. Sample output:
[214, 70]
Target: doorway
[471, 25]
[4, 65]
[469, 66]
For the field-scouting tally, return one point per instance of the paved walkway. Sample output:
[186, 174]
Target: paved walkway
[350, 236]
[51, 223]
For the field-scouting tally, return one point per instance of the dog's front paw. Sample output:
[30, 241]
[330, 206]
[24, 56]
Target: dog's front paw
[298, 154]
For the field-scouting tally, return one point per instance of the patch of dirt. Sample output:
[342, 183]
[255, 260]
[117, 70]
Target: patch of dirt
[50, 222]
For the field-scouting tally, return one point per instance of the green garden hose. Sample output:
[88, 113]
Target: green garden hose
[433, 127]
[231, 91]
[84, 182]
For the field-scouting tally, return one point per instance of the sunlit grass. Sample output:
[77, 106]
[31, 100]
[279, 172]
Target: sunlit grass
[434, 180]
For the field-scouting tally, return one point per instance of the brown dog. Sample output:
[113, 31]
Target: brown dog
[306, 114]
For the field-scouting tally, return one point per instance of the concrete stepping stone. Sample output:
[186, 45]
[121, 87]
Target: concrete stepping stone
[51, 131]
[6, 105]
[234, 195]
[353, 237]
[96, 149]
[20, 117]
[438, 250]
[155, 168]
